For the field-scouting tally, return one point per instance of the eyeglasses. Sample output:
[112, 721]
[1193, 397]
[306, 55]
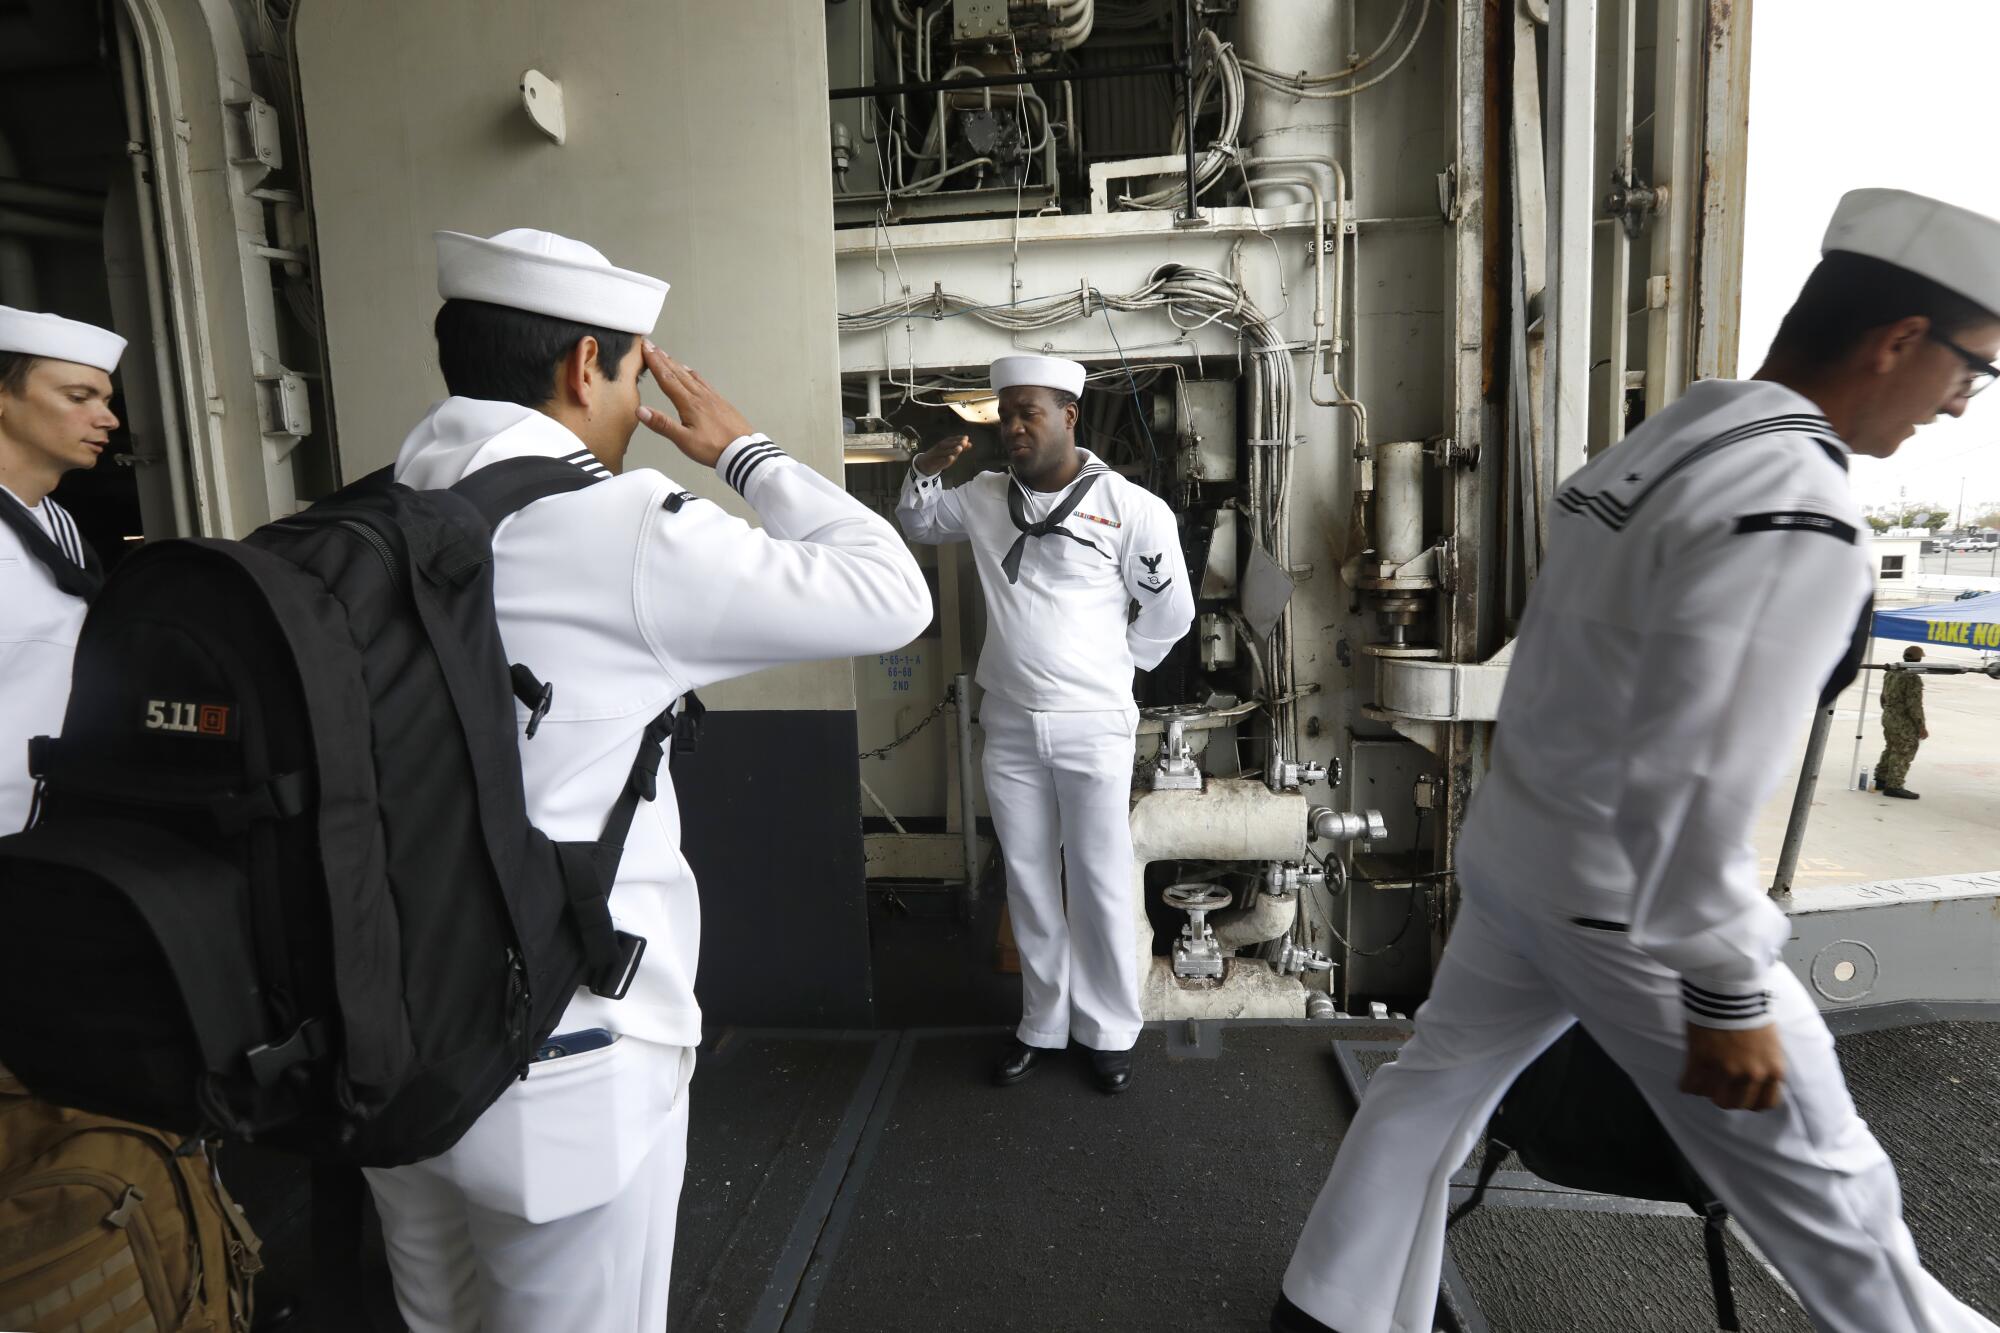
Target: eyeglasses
[1983, 373]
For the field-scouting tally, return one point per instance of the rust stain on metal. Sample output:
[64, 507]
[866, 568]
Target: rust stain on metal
[1720, 14]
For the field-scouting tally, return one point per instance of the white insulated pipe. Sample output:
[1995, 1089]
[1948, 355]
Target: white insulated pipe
[1286, 34]
[1264, 920]
[1233, 819]
[1399, 501]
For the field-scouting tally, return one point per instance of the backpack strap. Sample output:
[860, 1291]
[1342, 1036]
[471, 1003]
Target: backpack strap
[498, 491]
[642, 783]
[589, 869]
[504, 488]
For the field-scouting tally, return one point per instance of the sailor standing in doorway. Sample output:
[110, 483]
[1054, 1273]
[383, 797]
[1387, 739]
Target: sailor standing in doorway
[1698, 596]
[1064, 547]
[55, 417]
[557, 1209]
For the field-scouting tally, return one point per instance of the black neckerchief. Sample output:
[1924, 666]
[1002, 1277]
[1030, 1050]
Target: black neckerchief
[1017, 509]
[77, 580]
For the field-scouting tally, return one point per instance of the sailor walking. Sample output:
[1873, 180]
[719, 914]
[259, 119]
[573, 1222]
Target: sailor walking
[1084, 581]
[1699, 594]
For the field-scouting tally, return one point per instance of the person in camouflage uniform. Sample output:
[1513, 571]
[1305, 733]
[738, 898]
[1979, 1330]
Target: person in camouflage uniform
[1902, 727]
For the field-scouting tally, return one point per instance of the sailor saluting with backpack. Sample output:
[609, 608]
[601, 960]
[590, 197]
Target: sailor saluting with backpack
[400, 844]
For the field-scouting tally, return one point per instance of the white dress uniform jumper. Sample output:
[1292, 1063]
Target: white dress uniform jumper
[1702, 584]
[557, 1209]
[1060, 571]
[48, 574]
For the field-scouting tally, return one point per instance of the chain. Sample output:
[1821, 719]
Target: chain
[882, 752]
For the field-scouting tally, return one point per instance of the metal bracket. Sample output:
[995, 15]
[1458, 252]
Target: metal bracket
[1446, 451]
[1447, 183]
[255, 135]
[1634, 203]
[284, 411]
[1176, 770]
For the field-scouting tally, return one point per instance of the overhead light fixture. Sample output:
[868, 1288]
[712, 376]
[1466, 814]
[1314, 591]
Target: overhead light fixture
[981, 406]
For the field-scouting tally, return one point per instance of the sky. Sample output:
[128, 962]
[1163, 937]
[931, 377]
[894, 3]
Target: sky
[1852, 93]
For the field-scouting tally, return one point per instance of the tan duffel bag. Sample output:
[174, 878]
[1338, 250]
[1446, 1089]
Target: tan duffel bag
[107, 1226]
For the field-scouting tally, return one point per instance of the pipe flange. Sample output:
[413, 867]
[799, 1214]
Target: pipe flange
[1402, 651]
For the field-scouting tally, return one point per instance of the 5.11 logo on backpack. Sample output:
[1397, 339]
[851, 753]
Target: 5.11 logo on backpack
[191, 719]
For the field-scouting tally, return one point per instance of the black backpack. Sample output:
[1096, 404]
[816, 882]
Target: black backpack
[280, 884]
[1576, 1119]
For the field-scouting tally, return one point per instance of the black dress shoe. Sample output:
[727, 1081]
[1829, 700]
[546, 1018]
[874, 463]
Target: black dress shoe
[1113, 1069]
[1900, 793]
[1289, 1318]
[1020, 1062]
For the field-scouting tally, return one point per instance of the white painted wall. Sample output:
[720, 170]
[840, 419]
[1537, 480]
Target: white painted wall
[696, 150]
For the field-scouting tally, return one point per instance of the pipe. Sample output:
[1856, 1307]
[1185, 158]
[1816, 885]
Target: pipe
[1193, 213]
[1265, 919]
[1234, 819]
[1281, 34]
[1861, 718]
[1342, 399]
[175, 444]
[1795, 828]
[968, 809]
[1319, 247]
[1320, 1005]
[875, 394]
[883, 806]
[1399, 502]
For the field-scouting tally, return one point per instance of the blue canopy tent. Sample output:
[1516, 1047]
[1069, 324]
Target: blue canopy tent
[1972, 623]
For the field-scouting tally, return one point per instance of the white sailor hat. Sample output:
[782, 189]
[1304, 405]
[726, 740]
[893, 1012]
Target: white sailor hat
[1051, 372]
[549, 275]
[59, 339]
[1952, 246]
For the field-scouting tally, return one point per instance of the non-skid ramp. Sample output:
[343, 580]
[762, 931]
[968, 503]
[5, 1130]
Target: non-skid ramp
[933, 1200]
[1536, 1257]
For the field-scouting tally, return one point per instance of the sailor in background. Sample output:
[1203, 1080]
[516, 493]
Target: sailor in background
[557, 1209]
[1699, 594]
[55, 417]
[1065, 548]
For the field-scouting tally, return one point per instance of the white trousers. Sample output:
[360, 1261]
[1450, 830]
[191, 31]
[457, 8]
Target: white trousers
[1807, 1180]
[1060, 789]
[557, 1208]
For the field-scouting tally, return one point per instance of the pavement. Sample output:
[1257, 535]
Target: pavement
[1856, 837]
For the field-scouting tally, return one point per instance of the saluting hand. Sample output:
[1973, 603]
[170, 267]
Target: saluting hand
[942, 454]
[1737, 1070]
[708, 423]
